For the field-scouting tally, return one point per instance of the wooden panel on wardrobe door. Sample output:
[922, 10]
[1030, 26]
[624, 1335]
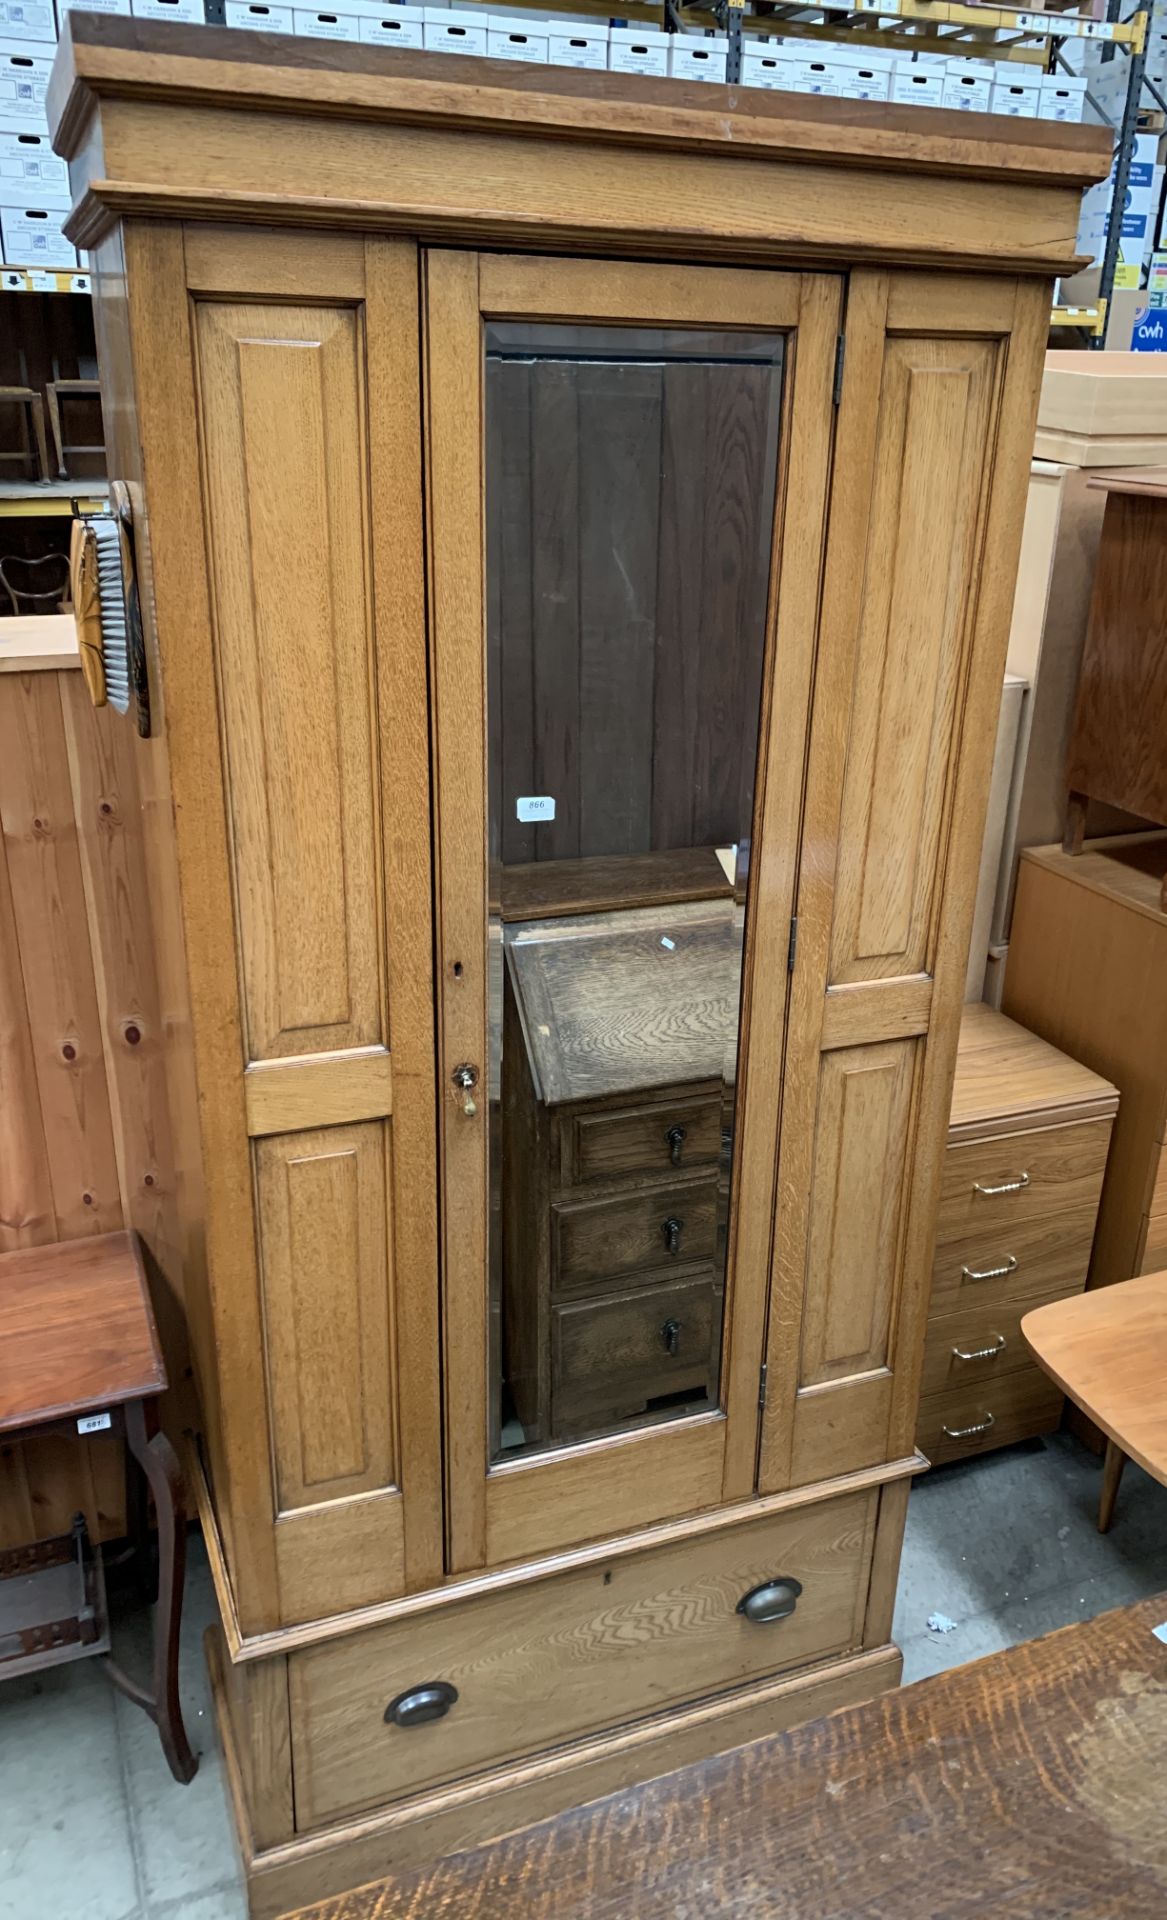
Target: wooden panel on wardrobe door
[927, 498]
[910, 498]
[284, 432]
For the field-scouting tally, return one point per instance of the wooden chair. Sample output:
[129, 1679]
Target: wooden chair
[79, 1352]
[1107, 1350]
[33, 416]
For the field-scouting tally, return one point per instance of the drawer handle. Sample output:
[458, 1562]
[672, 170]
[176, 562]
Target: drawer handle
[672, 1228]
[982, 1353]
[773, 1600]
[418, 1705]
[670, 1333]
[675, 1140]
[1006, 1186]
[990, 1273]
[966, 1433]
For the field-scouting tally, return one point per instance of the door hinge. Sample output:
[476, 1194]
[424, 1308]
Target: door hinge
[762, 1389]
[840, 356]
[792, 944]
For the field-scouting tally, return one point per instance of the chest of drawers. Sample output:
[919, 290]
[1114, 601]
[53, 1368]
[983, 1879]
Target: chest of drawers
[1027, 1145]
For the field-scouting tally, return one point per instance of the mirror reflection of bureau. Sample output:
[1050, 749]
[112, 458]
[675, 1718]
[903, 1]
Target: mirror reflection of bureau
[617, 1120]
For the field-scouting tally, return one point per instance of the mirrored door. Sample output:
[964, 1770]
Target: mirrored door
[627, 469]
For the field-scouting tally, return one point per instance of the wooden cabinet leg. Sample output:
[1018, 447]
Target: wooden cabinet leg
[1075, 828]
[159, 1464]
[1112, 1468]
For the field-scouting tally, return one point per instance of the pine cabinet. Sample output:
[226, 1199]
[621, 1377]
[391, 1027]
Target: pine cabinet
[577, 522]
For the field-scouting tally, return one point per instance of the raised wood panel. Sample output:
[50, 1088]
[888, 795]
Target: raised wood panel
[927, 495]
[323, 1226]
[860, 1155]
[282, 411]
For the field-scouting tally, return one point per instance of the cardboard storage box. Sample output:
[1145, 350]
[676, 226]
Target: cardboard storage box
[968, 87]
[447, 30]
[1063, 96]
[770, 67]
[259, 17]
[325, 25]
[698, 56]
[393, 27]
[638, 50]
[864, 82]
[30, 172]
[823, 76]
[1021, 98]
[511, 36]
[582, 45]
[24, 76]
[33, 238]
[32, 20]
[917, 86]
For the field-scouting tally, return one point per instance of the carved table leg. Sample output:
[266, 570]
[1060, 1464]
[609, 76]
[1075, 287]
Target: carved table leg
[159, 1464]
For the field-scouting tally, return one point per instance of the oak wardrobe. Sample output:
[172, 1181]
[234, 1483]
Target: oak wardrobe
[576, 519]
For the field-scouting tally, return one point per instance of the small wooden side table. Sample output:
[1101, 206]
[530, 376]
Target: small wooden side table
[79, 1352]
[1108, 1350]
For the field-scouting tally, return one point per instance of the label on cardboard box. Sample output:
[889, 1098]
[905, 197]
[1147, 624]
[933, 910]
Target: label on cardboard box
[93, 6]
[188, 13]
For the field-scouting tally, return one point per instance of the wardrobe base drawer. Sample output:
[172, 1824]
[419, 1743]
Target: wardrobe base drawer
[976, 1419]
[981, 1345]
[598, 1646]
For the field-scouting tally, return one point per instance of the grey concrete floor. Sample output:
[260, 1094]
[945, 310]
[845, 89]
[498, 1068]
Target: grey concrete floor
[93, 1828]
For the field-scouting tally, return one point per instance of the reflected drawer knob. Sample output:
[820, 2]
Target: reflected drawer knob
[672, 1228]
[675, 1140]
[418, 1705]
[670, 1333]
[773, 1600]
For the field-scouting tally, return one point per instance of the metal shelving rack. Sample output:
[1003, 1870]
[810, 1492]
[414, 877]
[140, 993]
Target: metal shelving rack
[951, 27]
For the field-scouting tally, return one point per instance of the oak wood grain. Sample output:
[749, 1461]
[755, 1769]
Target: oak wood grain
[1057, 1745]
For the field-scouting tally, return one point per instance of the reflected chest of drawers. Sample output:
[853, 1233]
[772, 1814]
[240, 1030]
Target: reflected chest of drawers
[617, 1104]
[1027, 1146]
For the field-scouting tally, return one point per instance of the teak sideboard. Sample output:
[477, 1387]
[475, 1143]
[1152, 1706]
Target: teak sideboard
[574, 511]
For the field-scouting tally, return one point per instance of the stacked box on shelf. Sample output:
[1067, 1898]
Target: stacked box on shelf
[393, 27]
[1137, 216]
[257, 17]
[638, 50]
[698, 56]
[28, 20]
[32, 211]
[511, 36]
[1017, 95]
[578, 43]
[968, 86]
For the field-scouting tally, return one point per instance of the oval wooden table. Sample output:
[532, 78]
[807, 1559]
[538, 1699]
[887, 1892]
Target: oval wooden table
[1107, 1350]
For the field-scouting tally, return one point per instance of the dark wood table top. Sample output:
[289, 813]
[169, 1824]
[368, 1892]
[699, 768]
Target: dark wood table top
[1028, 1786]
[77, 1329]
